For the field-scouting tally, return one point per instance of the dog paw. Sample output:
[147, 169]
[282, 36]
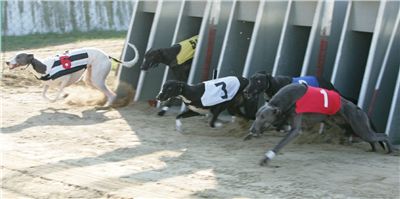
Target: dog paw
[268, 157]
[248, 137]
[218, 124]
[178, 126]
[161, 113]
[264, 161]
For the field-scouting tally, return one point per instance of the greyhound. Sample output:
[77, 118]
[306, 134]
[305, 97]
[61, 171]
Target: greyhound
[90, 63]
[179, 59]
[214, 96]
[295, 100]
[262, 81]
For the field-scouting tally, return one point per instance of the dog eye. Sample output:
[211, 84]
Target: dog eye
[258, 81]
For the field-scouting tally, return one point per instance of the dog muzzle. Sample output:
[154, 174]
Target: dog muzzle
[161, 97]
[12, 65]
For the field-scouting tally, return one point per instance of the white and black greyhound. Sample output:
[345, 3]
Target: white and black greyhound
[298, 100]
[213, 95]
[91, 64]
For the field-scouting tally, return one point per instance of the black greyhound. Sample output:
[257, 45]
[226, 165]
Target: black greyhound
[295, 101]
[262, 81]
[214, 96]
[179, 59]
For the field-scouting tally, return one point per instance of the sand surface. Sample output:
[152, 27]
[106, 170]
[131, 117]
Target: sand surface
[68, 149]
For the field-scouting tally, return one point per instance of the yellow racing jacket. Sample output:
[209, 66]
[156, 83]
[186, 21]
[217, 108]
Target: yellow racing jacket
[188, 48]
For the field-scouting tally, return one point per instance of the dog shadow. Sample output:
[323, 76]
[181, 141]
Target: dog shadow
[52, 116]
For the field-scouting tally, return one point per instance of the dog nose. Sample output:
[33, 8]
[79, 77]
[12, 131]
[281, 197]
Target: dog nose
[8, 63]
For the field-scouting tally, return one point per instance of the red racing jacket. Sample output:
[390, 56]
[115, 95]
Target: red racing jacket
[319, 100]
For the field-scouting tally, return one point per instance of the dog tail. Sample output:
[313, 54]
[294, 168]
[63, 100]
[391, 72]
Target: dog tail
[130, 63]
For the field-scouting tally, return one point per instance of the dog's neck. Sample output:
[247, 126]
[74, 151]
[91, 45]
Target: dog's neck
[38, 66]
[276, 83]
[168, 55]
[191, 92]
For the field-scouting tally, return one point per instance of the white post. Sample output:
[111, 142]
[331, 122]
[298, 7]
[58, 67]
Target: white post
[195, 62]
[149, 45]
[254, 37]
[226, 37]
[389, 48]
[282, 37]
[392, 107]
[128, 35]
[178, 25]
[371, 54]
[311, 38]
[341, 42]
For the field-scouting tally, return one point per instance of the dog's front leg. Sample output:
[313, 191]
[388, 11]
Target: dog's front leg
[45, 89]
[165, 107]
[59, 93]
[296, 124]
[186, 114]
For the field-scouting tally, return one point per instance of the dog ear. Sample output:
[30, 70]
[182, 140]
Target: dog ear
[30, 57]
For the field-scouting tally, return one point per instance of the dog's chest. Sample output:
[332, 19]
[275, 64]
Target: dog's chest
[184, 99]
[192, 107]
[198, 110]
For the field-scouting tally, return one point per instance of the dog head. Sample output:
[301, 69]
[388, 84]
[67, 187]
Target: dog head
[151, 59]
[257, 84]
[20, 59]
[171, 88]
[265, 116]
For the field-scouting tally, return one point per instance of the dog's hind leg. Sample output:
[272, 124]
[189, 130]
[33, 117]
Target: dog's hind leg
[361, 126]
[109, 94]
[98, 75]
[373, 149]
[87, 78]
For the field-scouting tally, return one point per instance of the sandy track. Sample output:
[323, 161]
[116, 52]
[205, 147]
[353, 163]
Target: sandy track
[61, 150]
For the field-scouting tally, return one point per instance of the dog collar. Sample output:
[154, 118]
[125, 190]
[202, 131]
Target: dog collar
[268, 80]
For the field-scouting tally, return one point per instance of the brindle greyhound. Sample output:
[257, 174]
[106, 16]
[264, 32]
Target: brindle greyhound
[285, 102]
[169, 56]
